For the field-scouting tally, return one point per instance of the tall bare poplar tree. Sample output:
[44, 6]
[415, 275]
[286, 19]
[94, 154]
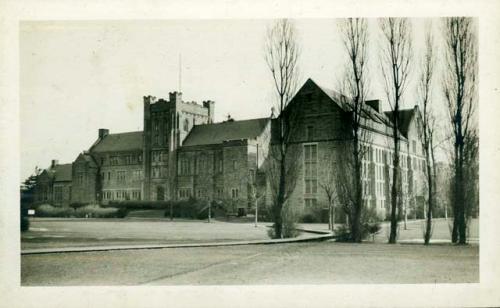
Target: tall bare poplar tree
[459, 87]
[396, 62]
[428, 125]
[354, 33]
[281, 54]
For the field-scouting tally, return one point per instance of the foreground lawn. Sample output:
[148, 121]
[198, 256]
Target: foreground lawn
[415, 229]
[298, 263]
[52, 233]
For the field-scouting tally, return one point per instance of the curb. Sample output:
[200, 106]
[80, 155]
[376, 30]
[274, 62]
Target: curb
[324, 236]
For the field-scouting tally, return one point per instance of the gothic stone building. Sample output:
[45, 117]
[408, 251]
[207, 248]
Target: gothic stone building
[181, 153]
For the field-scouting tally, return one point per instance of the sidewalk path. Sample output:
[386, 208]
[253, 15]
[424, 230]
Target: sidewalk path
[306, 236]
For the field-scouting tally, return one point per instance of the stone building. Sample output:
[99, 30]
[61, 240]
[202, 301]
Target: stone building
[181, 153]
[120, 166]
[54, 185]
[323, 118]
[220, 161]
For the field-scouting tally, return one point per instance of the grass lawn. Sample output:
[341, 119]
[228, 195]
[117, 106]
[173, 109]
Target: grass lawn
[414, 231]
[60, 232]
[297, 263]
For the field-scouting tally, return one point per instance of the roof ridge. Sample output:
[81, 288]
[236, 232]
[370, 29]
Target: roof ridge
[123, 133]
[234, 121]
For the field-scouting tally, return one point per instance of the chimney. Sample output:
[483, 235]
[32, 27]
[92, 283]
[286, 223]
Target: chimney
[175, 97]
[374, 103]
[54, 163]
[103, 132]
[210, 106]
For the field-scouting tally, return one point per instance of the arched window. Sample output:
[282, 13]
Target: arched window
[186, 125]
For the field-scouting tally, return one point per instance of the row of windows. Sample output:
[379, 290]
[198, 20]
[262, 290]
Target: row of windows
[157, 140]
[159, 156]
[58, 193]
[201, 165]
[128, 159]
[121, 176]
[121, 195]
[385, 156]
[159, 172]
[185, 193]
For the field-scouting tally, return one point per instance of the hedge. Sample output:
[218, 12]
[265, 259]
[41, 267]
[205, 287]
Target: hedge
[47, 210]
[191, 208]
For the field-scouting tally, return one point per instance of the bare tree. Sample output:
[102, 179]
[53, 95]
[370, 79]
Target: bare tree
[354, 32]
[459, 86]
[281, 54]
[428, 127]
[396, 63]
[327, 184]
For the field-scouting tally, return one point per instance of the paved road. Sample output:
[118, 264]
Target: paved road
[306, 263]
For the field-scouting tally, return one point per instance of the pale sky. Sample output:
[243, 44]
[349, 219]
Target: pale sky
[79, 76]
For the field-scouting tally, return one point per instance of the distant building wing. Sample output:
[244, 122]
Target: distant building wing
[217, 133]
[120, 142]
[63, 173]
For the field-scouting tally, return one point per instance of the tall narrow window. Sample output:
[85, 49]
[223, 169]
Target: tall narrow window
[309, 132]
[311, 168]
[235, 193]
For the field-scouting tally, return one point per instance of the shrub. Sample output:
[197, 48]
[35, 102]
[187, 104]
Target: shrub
[289, 230]
[92, 210]
[97, 211]
[122, 212]
[25, 224]
[370, 225]
[139, 205]
[343, 233]
[309, 218]
[76, 205]
[315, 215]
[47, 210]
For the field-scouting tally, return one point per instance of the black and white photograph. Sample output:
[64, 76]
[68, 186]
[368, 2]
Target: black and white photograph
[258, 151]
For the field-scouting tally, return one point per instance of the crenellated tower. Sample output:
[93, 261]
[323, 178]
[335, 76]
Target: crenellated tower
[166, 125]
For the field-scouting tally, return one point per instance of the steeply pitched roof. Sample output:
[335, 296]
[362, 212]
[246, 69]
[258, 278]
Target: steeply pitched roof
[59, 173]
[346, 104]
[216, 133]
[119, 142]
[405, 116]
[62, 172]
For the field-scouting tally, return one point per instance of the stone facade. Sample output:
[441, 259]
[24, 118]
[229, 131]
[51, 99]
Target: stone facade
[54, 185]
[181, 153]
[321, 133]
[166, 125]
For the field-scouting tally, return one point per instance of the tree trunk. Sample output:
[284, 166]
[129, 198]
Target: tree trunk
[462, 226]
[333, 217]
[428, 227]
[280, 200]
[330, 222]
[358, 205]
[394, 190]
[406, 215]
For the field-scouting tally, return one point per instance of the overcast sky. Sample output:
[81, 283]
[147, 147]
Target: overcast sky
[77, 77]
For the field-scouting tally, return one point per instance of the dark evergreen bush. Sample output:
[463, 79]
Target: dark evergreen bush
[25, 224]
